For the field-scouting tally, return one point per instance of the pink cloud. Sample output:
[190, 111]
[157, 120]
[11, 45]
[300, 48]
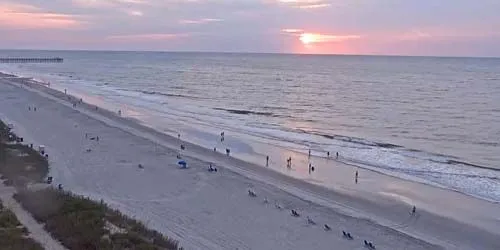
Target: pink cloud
[20, 16]
[305, 4]
[199, 21]
[147, 37]
[137, 13]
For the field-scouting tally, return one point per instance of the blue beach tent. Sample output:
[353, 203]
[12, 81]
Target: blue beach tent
[182, 163]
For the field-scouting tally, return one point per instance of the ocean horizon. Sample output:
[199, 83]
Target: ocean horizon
[7, 50]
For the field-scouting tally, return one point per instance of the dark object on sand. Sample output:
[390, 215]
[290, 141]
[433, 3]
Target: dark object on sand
[295, 214]
[347, 235]
[179, 156]
[215, 149]
[46, 156]
[88, 150]
[228, 151]
[310, 221]
[369, 245]
[251, 193]
[212, 169]
[140, 166]
[59, 186]
[312, 169]
[31, 145]
[49, 180]
[327, 228]
[183, 147]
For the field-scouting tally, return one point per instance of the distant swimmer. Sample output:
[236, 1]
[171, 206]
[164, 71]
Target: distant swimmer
[267, 161]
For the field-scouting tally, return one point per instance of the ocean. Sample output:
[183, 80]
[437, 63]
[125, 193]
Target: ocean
[427, 119]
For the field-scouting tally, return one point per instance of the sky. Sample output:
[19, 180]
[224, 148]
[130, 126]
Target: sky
[388, 27]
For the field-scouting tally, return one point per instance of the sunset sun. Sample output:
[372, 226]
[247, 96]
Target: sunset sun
[307, 38]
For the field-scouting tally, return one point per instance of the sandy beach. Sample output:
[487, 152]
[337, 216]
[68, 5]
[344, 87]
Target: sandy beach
[207, 210]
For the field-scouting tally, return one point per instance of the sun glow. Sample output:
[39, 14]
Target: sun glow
[310, 38]
[307, 38]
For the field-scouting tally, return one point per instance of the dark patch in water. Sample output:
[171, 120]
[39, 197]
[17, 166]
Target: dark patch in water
[455, 162]
[245, 112]
[162, 94]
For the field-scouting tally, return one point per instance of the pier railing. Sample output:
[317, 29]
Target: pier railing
[31, 60]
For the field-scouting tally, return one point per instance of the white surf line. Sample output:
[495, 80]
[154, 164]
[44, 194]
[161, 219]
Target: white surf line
[295, 191]
[36, 230]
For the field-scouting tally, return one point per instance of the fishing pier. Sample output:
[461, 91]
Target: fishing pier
[31, 60]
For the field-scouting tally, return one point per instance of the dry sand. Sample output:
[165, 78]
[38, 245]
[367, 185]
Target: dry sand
[212, 210]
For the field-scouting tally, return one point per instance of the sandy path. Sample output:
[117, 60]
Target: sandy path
[37, 232]
[205, 211]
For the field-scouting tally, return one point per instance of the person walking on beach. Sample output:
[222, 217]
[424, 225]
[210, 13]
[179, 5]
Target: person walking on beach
[356, 177]
[222, 136]
[328, 154]
[310, 166]
[337, 156]
[413, 210]
[309, 153]
[267, 161]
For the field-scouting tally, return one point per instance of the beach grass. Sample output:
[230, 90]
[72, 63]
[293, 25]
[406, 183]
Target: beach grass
[80, 223]
[13, 236]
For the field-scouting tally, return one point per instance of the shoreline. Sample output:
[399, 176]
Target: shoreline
[457, 176]
[317, 193]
